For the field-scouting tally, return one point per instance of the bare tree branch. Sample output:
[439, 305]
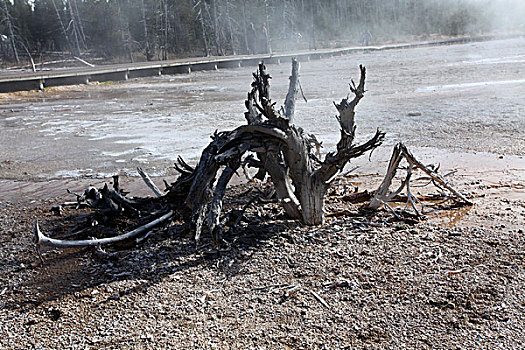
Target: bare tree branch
[41, 239]
[149, 182]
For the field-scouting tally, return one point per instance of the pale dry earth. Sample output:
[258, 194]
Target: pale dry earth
[453, 281]
[466, 98]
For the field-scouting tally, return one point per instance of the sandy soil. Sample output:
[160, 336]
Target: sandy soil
[363, 280]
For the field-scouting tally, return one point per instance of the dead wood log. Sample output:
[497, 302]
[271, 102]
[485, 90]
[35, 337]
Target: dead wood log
[41, 239]
[270, 142]
[400, 152]
[282, 150]
[293, 166]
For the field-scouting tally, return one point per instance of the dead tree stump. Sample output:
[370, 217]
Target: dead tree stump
[283, 151]
[270, 142]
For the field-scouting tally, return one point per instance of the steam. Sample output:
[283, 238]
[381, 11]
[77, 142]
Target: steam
[394, 20]
[504, 15]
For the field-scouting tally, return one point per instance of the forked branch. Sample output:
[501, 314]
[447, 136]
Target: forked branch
[346, 117]
[399, 153]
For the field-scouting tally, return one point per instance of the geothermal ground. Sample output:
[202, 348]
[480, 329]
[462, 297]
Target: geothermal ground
[453, 280]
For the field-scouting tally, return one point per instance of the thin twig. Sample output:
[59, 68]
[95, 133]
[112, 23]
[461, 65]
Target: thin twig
[391, 209]
[319, 299]
[149, 182]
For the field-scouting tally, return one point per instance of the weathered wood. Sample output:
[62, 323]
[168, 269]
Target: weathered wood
[215, 210]
[293, 166]
[289, 103]
[41, 239]
[435, 176]
[283, 151]
[382, 191]
[149, 182]
[346, 117]
[382, 194]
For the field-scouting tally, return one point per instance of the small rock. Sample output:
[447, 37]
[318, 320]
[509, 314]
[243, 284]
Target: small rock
[115, 296]
[54, 314]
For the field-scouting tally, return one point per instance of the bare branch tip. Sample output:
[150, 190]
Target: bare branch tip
[37, 234]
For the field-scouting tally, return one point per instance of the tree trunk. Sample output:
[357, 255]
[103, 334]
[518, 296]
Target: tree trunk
[149, 53]
[245, 28]
[124, 33]
[74, 28]
[11, 31]
[200, 16]
[230, 29]
[80, 26]
[216, 29]
[166, 23]
[312, 200]
[313, 41]
[33, 67]
[64, 31]
[266, 29]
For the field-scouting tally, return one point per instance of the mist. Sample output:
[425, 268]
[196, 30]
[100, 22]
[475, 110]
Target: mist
[399, 20]
[504, 14]
[133, 30]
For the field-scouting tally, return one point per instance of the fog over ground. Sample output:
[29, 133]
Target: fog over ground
[130, 30]
[503, 14]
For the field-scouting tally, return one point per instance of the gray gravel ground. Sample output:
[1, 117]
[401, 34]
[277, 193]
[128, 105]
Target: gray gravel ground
[452, 281]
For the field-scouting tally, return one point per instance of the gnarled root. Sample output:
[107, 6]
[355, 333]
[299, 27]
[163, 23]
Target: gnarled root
[277, 147]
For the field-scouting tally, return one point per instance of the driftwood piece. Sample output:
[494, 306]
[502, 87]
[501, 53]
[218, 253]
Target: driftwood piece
[294, 166]
[149, 182]
[283, 151]
[399, 153]
[270, 142]
[435, 176]
[41, 239]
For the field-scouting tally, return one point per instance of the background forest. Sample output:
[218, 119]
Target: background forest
[136, 30]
